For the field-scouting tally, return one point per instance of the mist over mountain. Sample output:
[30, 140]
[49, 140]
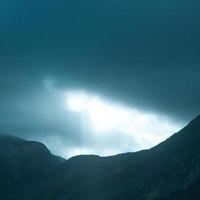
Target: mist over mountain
[170, 170]
[91, 94]
[141, 55]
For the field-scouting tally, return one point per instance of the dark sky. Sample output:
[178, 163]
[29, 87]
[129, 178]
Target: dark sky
[139, 53]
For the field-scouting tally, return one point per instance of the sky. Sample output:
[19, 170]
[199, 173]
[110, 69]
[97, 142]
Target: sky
[98, 77]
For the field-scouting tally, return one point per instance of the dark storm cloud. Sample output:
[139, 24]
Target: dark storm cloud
[140, 53]
[121, 32]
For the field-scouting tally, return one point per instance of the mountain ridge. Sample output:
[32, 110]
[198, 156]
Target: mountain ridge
[170, 170]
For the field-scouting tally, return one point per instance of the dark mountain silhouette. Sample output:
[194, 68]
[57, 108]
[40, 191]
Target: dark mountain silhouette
[22, 161]
[171, 170]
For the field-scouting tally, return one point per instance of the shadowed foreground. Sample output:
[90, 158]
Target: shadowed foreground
[171, 170]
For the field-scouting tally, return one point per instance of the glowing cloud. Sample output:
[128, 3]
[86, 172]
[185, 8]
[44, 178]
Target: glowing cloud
[105, 119]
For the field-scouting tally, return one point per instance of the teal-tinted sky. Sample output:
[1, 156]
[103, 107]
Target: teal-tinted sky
[142, 54]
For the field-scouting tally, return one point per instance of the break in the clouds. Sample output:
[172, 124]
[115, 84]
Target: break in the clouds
[121, 128]
[72, 122]
[138, 57]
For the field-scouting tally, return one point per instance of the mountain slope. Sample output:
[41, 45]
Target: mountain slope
[22, 161]
[170, 170]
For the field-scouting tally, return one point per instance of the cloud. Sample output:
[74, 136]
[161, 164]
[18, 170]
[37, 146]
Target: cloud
[140, 54]
[96, 127]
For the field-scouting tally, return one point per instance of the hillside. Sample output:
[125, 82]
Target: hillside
[171, 170]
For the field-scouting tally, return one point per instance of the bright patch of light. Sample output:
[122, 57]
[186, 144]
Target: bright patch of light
[79, 102]
[105, 119]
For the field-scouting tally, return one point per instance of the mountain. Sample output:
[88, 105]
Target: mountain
[170, 170]
[22, 161]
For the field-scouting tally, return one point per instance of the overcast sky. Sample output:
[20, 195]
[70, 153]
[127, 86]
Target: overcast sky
[139, 55]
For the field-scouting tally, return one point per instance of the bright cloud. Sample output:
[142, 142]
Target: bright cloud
[128, 128]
